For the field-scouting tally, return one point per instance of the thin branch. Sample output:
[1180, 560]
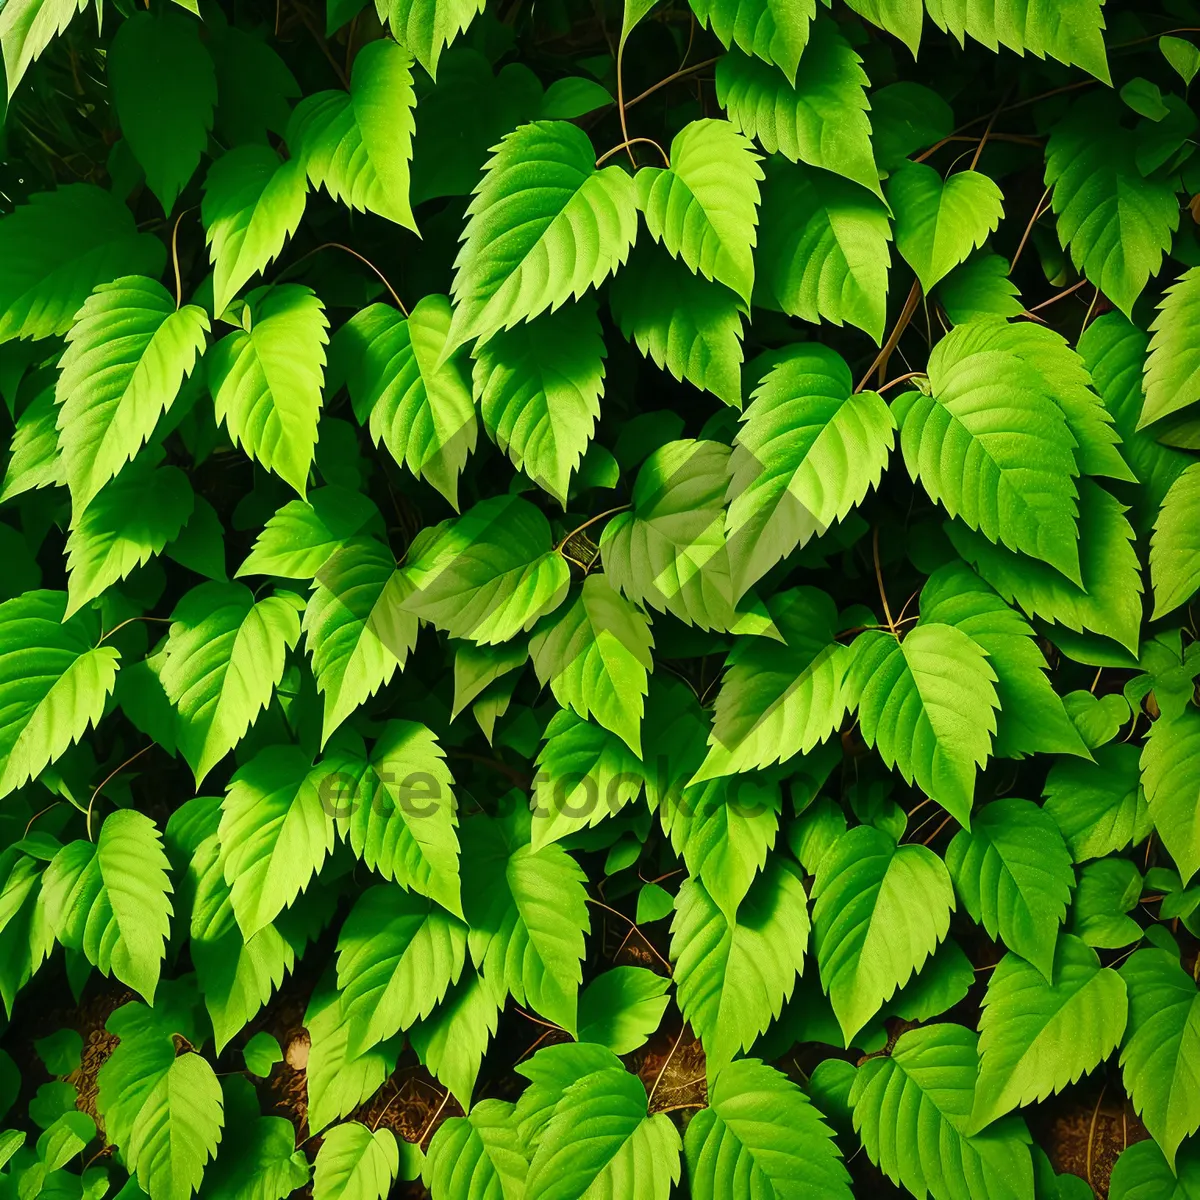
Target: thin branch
[628, 142]
[107, 778]
[130, 621]
[40, 813]
[663, 1069]
[621, 101]
[430, 1122]
[708, 62]
[591, 521]
[1055, 299]
[987, 132]
[649, 944]
[887, 611]
[881, 359]
[1092, 1131]
[362, 259]
[175, 258]
[1087, 318]
[1021, 139]
[1039, 208]
[891, 383]
[937, 831]
[319, 38]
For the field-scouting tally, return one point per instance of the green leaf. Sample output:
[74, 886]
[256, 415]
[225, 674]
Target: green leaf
[27, 27]
[356, 1164]
[1013, 872]
[1038, 1036]
[54, 682]
[1142, 1173]
[1108, 603]
[899, 17]
[275, 832]
[164, 90]
[912, 1108]
[1116, 223]
[398, 953]
[396, 808]
[253, 203]
[131, 519]
[668, 552]
[426, 27]
[820, 120]
[775, 32]
[940, 222]
[33, 460]
[760, 1136]
[304, 535]
[622, 1007]
[980, 287]
[880, 910]
[527, 912]
[594, 652]
[487, 575]
[225, 657]
[1175, 546]
[358, 144]
[126, 359]
[809, 450]
[259, 1161]
[529, 246]
[1072, 32]
[1108, 891]
[417, 406]
[823, 248]
[1145, 98]
[477, 1157]
[355, 628]
[1182, 55]
[261, 1053]
[111, 899]
[584, 774]
[1172, 378]
[61, 245]
[453, 1040]
[992, 445]
[731, 980]
[1032, 718]
[907, 117]
[266, 379]
[927, 705]
[601, 1138]
[778, 701]
[1098, 806]
[1161, 1043]
[703, 207]
[1171, 777]
[539, 386]
[683, 323]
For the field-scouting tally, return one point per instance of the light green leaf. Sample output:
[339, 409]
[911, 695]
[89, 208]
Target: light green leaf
[1172, 377]
[703, 207]
[1013, 872]
[594, 652]
[253, 203]
[261, 1053]
[940, 222]
[899, 17]
[355, 628]
[275, 833]
[820, 120]
[358, 144]
[823, 248]
[912, 1107]
[54, 682]
[453, 1040]
[1171, 777]
[356, 1164]
[539, 386]
[927, 704]
[775, 32]
[398, 953]
[731, 981]
[225, 657]
[778, 701]
[1116, 223]
[980, 287]
[27, 27]
[33, 459]
[907, 117]
[992, 445]
[1159, 1056]
[601, 1140]
[809, 450]
[266, 379]
[487, 575]
[1182, 55]
[1175, 546]
[529, 247]
[418, 406]
[477, 1157]
[880, 911]
[61, 245]
[1098, 806]
[1036, 1037]
[760, 1136]
[1142, 1173]
[685, 324]
[164, 90]
[111, 899]
[127, 357]
[622, 1007]
[131, 519]
[427, 27]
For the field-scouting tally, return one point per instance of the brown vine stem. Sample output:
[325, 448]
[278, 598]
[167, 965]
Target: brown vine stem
[885, 353]
[663, 1069]
[362, 258]
[1020, 138]
[887, 611]
[175, 258]
[621, 101]
[1092, 1131]
[319, 38]
[937, 831]
[986, 134]
[1055, 299]
[430, 1123]
[629, 142]
[649, 944]
[107, 778]
[662, 83]
[1038, 209]
[608, 512]
[891, 383]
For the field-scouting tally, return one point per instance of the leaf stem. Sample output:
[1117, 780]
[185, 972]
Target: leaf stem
[621, 102]
[175, 258]
[107, 778]
[663, 1069]
[608, 512]
[632, 142]
[887, 611]
[906, 313]
[1038, 210]
[902, 379]
[708, 62]
[362, 259]
[1055, 299]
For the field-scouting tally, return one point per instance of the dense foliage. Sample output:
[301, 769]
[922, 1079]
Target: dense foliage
[598, 602]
